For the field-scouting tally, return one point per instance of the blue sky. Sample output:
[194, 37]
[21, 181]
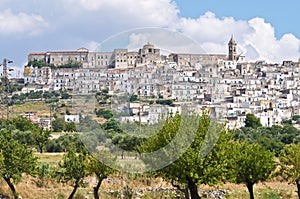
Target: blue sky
[264, 30]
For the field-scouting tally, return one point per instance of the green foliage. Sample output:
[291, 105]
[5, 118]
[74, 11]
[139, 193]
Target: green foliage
[64, 142]
[252, 121]
[272, 138]
[199, 163]
[164, 102]
[70, 127]
[17, 159]
[133, 98]
[290, 163]
[295, 117]
[24, 124]
[95, 166]
[72, 169]
[35, 63]
[41, 138]
[250, 164]
[104, 113]
[65, 95]
[51, 100]
[43, 174]
[58, 125]
[112, 125]
[71, 64]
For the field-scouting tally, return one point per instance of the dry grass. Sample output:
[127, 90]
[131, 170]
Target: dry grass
[41, 108]
[119, 183]
[51, 158]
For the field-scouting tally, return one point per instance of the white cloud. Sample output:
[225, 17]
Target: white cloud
[20, 23]
[136, 40]
[73, 22]
[131, 12]
[255, 38]
[93, 46]
[167, 40]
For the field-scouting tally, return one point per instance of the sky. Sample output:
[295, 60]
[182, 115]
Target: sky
[264, 30]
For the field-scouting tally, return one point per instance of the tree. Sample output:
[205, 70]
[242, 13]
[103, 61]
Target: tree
[40, 138]
[101, 171]
[290, 164]
[17, 159]
[252, 121]
[58, 125]
[126, 142]
[203, 162]
[24, 124]
[251, 163]
[70, 127]
[72, 169]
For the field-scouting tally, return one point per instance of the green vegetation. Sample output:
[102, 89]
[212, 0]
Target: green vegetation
[191, 168]
[59, 125]
[272, 138]
[164, 102]
[16, 158]
[35, 63]
[290, 164]
[104, 113]
[100, 170]
[251, 163]
[252, 121]
[72, 169]
[244, 156]
[70, 64]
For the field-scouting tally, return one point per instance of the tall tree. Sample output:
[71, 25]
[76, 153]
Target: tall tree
[202, 162]
[250, 164]
[17, 160]
[72, 169]
[58, 125]
[290, 164]
[40, 138]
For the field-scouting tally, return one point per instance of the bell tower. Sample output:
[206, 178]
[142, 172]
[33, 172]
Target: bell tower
[232, 50]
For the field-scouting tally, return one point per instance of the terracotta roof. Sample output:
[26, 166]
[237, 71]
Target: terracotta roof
[37, 53]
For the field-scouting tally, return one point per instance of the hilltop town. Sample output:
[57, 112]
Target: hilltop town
[228, 85]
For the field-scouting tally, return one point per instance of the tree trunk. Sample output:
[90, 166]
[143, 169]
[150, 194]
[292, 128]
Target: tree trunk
[97, 187]
[74, 191]
[298, 187]
[184, 190]
[193, 189]
[12, 187]
[186, 193]
[41, 149]
[250, 189]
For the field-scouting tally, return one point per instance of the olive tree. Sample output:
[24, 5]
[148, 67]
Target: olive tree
[17, 160]
[99, 169]
[290, 164]
[250, 164]
[72, 169]
[204, 161]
